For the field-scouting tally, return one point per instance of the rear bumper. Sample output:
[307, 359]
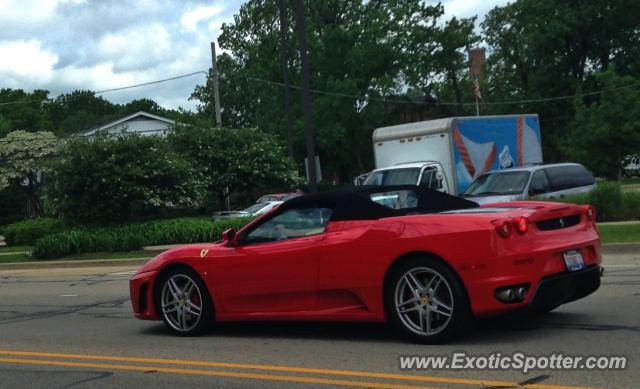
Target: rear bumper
[565, 287]
[543, 271]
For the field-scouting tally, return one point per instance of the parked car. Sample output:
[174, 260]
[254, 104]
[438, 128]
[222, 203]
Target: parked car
[378, 254]
[631, 166]
[539, 181]
[252, 210]
[278, 197]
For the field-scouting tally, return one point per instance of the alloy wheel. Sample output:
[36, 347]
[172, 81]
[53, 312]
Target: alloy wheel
[424, 301]
[182, 302]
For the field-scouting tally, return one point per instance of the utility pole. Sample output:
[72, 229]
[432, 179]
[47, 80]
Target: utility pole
[216, 103]
[216, 95]
[306, 96]
[284, 28]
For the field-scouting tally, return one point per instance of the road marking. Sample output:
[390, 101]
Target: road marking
[263, 377]
[69, 295]
[290, 369]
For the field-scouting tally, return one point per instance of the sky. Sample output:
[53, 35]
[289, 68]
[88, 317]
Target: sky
[64, 45]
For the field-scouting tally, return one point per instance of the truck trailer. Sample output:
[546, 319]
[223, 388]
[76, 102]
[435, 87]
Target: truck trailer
[448, 154]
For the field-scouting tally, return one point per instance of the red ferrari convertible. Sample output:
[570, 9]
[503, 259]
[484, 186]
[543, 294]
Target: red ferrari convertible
[422, 260]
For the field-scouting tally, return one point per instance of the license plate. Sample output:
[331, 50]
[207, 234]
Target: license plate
[573, 260]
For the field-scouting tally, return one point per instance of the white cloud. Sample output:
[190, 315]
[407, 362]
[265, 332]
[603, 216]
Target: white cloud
[32, 10]
[191, 18]
[469, 8]
[137, 47]
[27, 59]
[63, 45]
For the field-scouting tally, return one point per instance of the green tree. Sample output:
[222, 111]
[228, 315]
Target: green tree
[237, 159]
[607, 128]
[357, 50]
[20, 110]
[24, 162]
[78, 111]
[120, 178]
[543, 48]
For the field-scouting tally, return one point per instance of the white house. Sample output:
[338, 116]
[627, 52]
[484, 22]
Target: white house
[141, 122]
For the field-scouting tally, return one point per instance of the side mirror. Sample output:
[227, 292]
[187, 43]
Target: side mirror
[229, 236]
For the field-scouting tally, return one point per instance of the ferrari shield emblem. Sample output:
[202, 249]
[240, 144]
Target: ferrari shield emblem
[203, 253]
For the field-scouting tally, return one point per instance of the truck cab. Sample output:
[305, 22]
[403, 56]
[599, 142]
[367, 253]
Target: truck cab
[429, 174]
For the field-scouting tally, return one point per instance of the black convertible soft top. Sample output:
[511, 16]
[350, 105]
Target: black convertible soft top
[355, 203]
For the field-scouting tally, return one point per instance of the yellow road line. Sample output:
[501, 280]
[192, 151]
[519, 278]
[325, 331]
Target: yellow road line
[290, 369]
[264, 377]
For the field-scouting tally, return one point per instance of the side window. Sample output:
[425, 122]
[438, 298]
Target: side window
[293, 223]
[570, 176]
[430, 179]
[539, 183]
[397, 199]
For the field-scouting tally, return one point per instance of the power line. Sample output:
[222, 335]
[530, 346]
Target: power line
[111, 89]
[345, 95]
[397, 101]
[151, 82]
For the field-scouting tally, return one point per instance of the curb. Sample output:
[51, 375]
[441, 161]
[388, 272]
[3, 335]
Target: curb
[74, 264]
[620, 248]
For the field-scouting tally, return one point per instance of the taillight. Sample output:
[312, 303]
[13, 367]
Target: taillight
[504, 228]
[521, 225]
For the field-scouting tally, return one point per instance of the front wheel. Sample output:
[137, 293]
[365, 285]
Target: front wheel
[426, 302]
[183, 303]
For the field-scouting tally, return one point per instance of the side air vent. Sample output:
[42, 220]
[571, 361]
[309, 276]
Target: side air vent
[558, 223]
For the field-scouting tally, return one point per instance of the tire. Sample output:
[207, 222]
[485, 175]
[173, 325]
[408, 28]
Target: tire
[183, 294]
[426, 302]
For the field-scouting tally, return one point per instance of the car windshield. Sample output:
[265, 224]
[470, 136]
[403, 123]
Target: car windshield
[500, 183]
[404, 176]
[255, 207]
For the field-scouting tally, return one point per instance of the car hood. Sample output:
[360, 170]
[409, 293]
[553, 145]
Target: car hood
[493, 198]
[185, 254]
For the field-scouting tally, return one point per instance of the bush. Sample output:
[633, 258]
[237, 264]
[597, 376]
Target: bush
[132, 236]
[26, 232]
[120, 178]
[611, 203]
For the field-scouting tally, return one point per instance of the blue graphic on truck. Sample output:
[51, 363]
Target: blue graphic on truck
[492, 143]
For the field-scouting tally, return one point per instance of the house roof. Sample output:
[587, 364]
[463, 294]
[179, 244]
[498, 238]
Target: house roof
[126, 119]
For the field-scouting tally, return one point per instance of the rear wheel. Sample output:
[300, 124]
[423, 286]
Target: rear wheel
[183, 303]
[426, 302]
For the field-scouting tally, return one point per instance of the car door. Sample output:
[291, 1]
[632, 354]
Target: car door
[275, 266]
[539, 185]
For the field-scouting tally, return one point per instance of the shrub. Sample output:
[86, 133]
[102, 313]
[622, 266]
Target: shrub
[132, 236]
[26, 232]
[119, 178]
[607, 198]
[612, 204]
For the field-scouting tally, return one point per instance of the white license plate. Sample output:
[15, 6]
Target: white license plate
[573, 260]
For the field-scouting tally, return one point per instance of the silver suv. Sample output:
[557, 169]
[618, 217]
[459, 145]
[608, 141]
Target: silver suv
[521, 183]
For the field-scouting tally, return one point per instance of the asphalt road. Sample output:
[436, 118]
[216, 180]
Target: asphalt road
[73, 328]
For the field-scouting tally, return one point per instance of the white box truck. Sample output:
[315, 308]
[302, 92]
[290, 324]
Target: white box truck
[448, 154]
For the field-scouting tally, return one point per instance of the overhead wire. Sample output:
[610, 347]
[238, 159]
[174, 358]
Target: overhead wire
[364, 96]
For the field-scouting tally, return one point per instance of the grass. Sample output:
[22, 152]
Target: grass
[80, 257]
[619, 233]
[14, 249]
[630, 181]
